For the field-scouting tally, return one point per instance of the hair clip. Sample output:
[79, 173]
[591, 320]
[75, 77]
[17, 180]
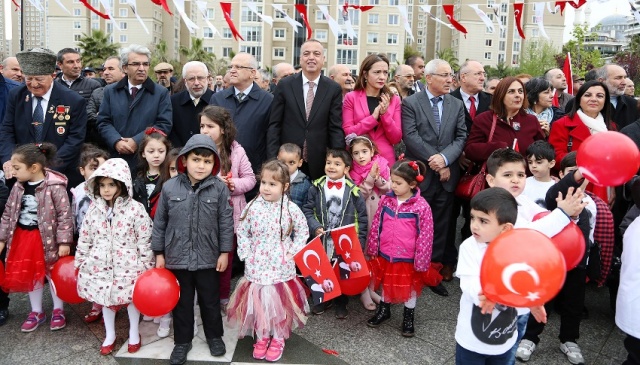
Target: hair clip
[150, 130]
[349, 138]
[416, 168]
[401, 157]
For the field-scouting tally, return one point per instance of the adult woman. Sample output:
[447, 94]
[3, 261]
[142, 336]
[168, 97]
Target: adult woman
[514, 127]
[372, 109]
[540, 97]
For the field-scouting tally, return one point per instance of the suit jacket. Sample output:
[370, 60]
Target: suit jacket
[67, 135]
[5, 86]
[419, 133]
[185, 116]
[288, 122]
[484, 101]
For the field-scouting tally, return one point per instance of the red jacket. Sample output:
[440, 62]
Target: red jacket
[564, 128]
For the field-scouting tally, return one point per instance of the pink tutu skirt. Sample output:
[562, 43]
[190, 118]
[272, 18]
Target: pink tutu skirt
[268, 310]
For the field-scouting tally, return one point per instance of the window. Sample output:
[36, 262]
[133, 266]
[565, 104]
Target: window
[344, 40]
[501, 58]
[354, 17]
[123, 38]
[347, 57]
[250, 16]
[374, 18]
[251, 34]
[487, 42]
[255, 51]
[393, 2]
[208, 49]
[504, 7]
[322, 35]
[535, 32]
[211, 13]
[392, 38]
[278, 15]
[503, 20]
[515, 59]
[279, 33]
[372, 37]
[374, 2]
[123, 25]
[76, 12]
[502, 45]
[393, 57]
[487, 55]
[503, 33]
[121, 2]
[419, 40]
[76, 25]
[95, 25]
[76, 37]
[278, 53]
[320, 16]
[226, 51]
[226, 33]
[490, 3]
[393, 19]
[124, 12]
[207, 32]
[516, 46]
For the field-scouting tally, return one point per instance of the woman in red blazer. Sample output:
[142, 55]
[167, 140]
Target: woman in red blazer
[372, 109]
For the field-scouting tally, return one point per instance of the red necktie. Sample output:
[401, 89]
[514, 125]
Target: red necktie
[472, 108]
[337, 185]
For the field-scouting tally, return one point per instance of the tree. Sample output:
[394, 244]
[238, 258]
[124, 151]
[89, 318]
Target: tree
[197, 53]
[96, 48]
[630, 61]
[159, 53]
[410, 52]
[501, 70]
[582, 59]
[448, 55]
[537, 58]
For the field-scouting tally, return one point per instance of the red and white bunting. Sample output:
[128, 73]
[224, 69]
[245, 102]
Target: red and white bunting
[302, 9]
[517, 14]
[226, 11]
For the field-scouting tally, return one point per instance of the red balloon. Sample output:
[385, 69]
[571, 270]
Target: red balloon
[570, 242]
[156, 292]
[352, 286]
[608, 158]
[64, 279]
[522, 268]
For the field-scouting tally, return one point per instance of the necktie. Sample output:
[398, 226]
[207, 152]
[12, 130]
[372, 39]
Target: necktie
[196, 101]
[416, 87]
[310, 96]
[337, 185]
[240, 97]
[38, 119]
[436, 111]
[472, 108]
[134, 92]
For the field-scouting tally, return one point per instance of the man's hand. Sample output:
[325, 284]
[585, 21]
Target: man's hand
[464, 162]
[445, 174]
[8, 170]
[159, 261]
[223, 261]
[436, 162]
[122, 147]
[572, 203]
[64, 250]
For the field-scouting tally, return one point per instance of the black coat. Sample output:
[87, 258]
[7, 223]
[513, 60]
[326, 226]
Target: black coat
[288, 123]
[185, 116]
[483, 105]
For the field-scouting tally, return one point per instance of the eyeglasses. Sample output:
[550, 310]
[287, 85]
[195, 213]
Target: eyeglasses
[199, 78]
[231, 67]
[446, 76]
[478, 74]
[138, 64]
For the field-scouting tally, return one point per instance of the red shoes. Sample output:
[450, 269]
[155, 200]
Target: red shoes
[106, 350]
[134, 348]
[94, 315]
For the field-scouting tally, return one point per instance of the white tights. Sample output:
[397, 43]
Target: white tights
[35, 298]
[109, 316]
[411, 303]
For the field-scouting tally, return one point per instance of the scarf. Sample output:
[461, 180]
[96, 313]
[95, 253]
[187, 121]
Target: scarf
[595, 125]
[546, 115]
[359, 173]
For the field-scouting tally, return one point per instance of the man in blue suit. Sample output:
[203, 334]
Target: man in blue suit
[43, 111]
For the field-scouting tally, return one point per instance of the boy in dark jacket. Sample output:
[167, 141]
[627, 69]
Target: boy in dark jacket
[291, 155]
[192, 236]
[335, 201]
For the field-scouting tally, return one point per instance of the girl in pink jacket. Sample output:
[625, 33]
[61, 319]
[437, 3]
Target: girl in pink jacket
[37, 228]
[400, 244]
[235, 171]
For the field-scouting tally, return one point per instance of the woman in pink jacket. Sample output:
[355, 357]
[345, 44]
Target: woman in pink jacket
[235, 171]
[372, 109]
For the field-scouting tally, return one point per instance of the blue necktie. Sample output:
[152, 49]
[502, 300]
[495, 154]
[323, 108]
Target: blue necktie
[436, 111]
[38, 119]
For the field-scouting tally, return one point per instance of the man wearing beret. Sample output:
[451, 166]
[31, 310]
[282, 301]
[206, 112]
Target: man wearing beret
[164, 75]
[44, 111]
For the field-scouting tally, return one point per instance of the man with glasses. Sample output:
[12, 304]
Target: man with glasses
[249, 107]
[405, 80]
[188, 103]
[417, 64]
[133, 104]
[434, 132]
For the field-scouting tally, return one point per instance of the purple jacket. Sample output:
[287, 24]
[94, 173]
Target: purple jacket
[402, 233]
[243, 180]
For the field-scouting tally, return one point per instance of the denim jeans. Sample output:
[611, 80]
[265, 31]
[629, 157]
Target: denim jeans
[466, 357]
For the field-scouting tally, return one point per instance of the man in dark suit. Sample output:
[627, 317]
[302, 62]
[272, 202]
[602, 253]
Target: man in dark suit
[307, 111]
[189, 103]
[417, 64]
[44, 111]
[434, 132]
[249, 107]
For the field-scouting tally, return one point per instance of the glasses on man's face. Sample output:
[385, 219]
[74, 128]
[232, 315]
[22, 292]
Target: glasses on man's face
[478, 74]
[237, 67]
[446, 76]
[138, 64]
[193, 79]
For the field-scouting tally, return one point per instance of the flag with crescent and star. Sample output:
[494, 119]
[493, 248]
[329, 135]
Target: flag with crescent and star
[347, 245]
[317, 272]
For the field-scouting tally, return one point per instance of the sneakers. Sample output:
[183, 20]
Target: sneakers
[274, 353]
[164, 328]
[260, 348]
[58, 320]
[33, 321]
[525, 349]
[216, 346]
[572, 350]
[179, 353]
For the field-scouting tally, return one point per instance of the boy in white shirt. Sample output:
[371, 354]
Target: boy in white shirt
[541, 159]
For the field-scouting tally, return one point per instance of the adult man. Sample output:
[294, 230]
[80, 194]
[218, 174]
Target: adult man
[342, 75]
[249, 107]
[217, 86]
[262, 79]
[434, 132]
[133, 104]
[630, 89]
[577, 83]
[188, 103]
[417, 64]
[307, 111]
[43, 110]
[71, 76]
[89, 72]
[558, 81]
[490, 85]
[282, 70]
[112, 73]
[164, 72]
[10, 69]
[405, 80]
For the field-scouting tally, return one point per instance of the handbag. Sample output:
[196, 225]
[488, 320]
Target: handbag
[471, 184]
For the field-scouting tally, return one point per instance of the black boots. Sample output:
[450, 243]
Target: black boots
[407, 322]
[383, 313]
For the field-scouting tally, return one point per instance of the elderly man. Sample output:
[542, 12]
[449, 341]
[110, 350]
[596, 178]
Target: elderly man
[164, 72]
[263, 79]
[10, 69]
[282, 70]
[43, 110]
[133, 104]
[434, 131]
[417, 64]
[112, 73]
[71, 76]
[558, 81]
[630, 89]
[405, 80]
[490, 85]
[342, 75]
[188, 103]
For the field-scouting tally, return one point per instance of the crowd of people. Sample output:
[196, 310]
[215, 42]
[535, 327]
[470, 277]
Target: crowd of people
[189, 173]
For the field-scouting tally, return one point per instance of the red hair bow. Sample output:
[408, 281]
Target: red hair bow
[416, 168]
[150, 130]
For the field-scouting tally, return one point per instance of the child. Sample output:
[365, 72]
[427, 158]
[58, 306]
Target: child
[270, 300]
[152, 170]
[335, 201]
[91, 158]
[541, 159]
[235, 171]
[192, 237]
[400, 244]
[172, 158]
[114, 248]
[37, 229]
[493, 211]
[291, 155]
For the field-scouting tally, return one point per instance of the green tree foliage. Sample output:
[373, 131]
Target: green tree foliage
[537, 57]
[410, 52]
[448, 55]
[582, 60]
[629, 59]
[501, 70]
[197, 53]
[96, 48]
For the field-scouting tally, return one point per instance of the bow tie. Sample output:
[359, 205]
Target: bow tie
[337, 185]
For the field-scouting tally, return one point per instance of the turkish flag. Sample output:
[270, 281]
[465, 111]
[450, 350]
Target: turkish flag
[164, 5]
[448, 9]
[568, 74]
[302, 9]
[98, 12]
[317, 273]
[226, 10]
[347, 244]
[575, 5]
[517, 13]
